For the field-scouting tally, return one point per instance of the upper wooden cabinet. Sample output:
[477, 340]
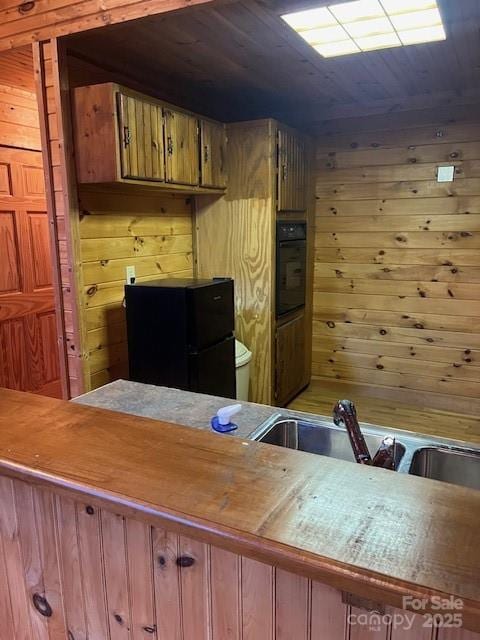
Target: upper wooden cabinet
[213, 143]
[125, 136]
[141, 138]
[291, 171]
[181, 142]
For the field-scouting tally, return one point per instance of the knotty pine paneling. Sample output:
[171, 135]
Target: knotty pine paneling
[153, 233]
[397, 269]
[100, 575]
[19, 123]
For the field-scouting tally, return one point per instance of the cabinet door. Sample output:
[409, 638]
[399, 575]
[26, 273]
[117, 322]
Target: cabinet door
[141, 139]
[212, 154]
[291, 172]
[181, 142]
[290, 359]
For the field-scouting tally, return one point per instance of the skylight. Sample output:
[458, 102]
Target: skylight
[366, 25]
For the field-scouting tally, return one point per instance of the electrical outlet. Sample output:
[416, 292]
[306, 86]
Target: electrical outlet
[130, 275]
[445, 174]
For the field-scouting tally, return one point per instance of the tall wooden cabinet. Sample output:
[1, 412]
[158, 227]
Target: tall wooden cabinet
[235, 236]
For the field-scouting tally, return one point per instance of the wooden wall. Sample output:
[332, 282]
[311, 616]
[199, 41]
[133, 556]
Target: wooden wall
[397, 262]
[69, 568]
[235, 238]
[150, 231]
[19, 123]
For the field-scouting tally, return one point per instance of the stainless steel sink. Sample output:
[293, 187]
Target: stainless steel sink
[433, 458]
[448, 465]
[326, 440]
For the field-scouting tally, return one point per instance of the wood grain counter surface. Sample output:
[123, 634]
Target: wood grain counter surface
[367, 531]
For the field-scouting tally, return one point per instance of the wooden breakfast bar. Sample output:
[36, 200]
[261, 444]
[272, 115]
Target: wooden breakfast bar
[116, 527]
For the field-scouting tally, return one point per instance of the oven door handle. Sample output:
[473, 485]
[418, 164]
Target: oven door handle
[285, 244]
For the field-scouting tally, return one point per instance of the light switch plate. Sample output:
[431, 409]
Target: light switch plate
[130, 274]
[445, 174]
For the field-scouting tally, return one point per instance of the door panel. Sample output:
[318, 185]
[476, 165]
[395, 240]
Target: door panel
[28, 332]
[15, 361]
[212, 154]
[141, 139]
[34, 181]
[5, 180]
[181, 135]
[48, 340]
[10, 272]
[40, 246]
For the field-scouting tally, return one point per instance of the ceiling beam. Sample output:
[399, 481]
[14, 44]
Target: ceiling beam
[23, 22]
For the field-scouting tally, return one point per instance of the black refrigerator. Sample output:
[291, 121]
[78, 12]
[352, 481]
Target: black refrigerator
[180, 334]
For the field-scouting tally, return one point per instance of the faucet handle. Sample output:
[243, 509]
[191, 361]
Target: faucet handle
[385, 456]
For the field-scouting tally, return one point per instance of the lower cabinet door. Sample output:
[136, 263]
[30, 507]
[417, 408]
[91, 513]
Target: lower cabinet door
[290, 359]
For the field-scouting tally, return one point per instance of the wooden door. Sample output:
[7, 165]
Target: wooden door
[28, 333]
[141, 139]
[212, 154]
[181, 143]
[290, 359]
[291, 172]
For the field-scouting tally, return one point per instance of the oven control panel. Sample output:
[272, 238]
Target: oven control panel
[291, 231]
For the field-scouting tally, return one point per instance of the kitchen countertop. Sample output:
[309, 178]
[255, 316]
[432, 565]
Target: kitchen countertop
[364, 530]
[172, 405]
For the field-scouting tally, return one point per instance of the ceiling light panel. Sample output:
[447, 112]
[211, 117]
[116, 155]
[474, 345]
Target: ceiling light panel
[331, 49]
[381, 41]
[427, 34]
[366, 25]
[393, 7]
[358, 10]
[310, 19]
[416, 19]
[327, 34]
[363, 28]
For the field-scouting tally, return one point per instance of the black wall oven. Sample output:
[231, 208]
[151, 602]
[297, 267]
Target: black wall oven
[291, 266]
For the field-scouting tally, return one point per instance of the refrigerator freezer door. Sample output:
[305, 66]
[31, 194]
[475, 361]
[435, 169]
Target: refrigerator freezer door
[210, 314]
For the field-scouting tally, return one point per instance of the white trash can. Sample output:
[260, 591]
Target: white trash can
[242, 366]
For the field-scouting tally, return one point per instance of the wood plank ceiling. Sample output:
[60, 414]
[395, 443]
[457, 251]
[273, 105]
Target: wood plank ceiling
[239, 60]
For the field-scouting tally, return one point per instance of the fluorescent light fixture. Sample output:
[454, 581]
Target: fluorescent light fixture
[366, 25]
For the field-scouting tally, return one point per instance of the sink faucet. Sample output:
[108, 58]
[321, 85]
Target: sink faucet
[345, 414]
